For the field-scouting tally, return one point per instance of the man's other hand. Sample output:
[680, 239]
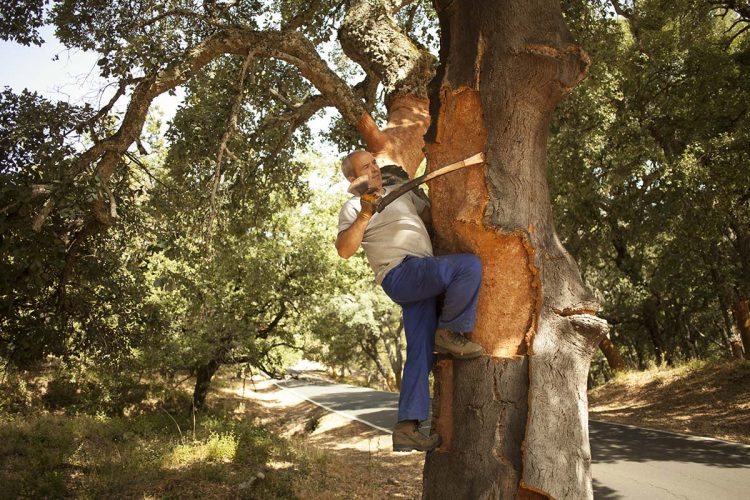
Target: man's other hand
[368, 201]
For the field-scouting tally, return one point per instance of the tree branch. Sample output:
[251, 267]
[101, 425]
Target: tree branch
[291, 47]
[228, 133]
[264, 332]
[370, 36]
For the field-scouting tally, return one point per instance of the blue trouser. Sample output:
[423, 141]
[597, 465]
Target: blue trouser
[414, 285]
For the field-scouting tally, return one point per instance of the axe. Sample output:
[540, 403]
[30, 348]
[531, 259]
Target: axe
[361, 185]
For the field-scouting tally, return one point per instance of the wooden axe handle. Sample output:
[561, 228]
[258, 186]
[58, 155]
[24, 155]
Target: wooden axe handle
[409, 185]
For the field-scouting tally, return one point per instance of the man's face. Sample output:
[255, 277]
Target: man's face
[365, 164]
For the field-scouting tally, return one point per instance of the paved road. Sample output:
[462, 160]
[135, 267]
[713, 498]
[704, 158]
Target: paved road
[628, 462]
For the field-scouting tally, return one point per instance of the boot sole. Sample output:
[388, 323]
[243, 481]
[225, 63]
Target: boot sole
[405, 448]
[472, 355]
[411, 447]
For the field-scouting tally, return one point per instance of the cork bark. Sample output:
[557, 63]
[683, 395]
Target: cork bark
[370, 36]
[515, 423]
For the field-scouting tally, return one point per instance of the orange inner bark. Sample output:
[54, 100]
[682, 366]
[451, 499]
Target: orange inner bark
[511, 291]
[444, 420]
[401, 141]
[510, 285]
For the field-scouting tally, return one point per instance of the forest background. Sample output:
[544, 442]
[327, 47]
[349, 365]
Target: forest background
[222, 248]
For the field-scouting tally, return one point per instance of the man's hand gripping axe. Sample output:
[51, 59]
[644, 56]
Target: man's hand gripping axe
[361, 185]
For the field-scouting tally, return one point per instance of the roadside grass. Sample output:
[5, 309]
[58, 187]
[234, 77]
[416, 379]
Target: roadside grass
[697, 397]
[155, 452]
[661, 374]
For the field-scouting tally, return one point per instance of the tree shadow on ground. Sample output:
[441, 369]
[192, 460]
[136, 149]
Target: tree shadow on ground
[611, 443]
[602, 492]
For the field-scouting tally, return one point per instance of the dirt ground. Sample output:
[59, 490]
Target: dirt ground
[711, 400]
[355, 460]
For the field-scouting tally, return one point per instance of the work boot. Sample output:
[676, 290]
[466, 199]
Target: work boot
[406, 437]
[457, 345]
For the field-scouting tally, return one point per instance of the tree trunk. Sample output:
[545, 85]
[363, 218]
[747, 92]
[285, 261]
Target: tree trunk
[741, 313]
[393, 346]
[736, 347]
[369, 346]
[741, 307]
[203, 381]
[610, 352]
[723, 295]
[650, 312]
[639, 355]
[513, 423]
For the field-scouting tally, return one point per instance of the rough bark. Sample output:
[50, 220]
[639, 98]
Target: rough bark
[370, 36]
[514, 423]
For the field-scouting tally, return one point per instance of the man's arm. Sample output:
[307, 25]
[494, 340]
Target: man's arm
[348, 240]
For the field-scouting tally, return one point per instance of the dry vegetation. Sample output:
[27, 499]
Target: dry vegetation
[252, 441]
[256, 441]
[358, 460]
[696, 398]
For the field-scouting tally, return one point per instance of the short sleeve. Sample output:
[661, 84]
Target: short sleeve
[347, 214]
[420, 200]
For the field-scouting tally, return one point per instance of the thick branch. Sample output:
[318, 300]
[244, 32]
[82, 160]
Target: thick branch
[264, 332]
[370, 36]
[291, 47]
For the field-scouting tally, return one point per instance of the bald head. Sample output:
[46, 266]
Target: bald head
[359, 163]
[347, 164]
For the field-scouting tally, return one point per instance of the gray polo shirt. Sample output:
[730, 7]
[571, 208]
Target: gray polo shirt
[392, 234]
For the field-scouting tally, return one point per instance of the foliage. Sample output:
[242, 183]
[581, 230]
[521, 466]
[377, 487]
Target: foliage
[42, 313]
[222, 254]
[361, 327]
[648, 162]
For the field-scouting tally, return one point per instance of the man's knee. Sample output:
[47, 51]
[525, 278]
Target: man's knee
[473, 265]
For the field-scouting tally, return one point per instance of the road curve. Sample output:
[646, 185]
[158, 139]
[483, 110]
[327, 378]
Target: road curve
[627, 462]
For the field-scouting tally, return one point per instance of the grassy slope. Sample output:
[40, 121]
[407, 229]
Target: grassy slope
[299, 450]
[697, 398]
[144, 455]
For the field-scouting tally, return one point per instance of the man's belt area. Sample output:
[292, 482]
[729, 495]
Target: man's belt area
[360, 186]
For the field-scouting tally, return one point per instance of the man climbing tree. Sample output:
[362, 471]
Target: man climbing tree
[512, 422]
[399, 250]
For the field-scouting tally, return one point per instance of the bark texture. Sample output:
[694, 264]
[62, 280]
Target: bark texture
[370, 36]
[514, 423]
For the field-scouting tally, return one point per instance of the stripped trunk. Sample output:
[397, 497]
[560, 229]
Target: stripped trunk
[610, 352]
[513, 423]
